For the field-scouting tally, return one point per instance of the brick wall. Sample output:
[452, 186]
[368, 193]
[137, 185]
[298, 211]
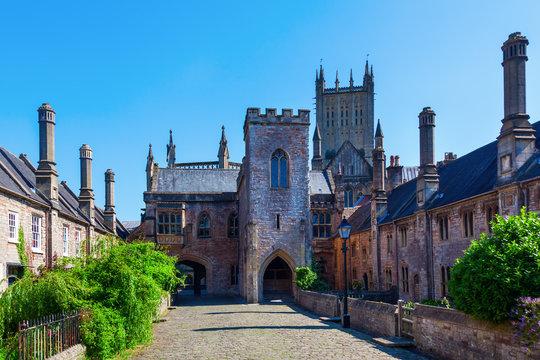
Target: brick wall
[451, 334]
[374, 317]
[320, 304]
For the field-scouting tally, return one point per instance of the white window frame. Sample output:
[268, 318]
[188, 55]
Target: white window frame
[13, 237]
[77, 242]
[65, 238]
[36, 233]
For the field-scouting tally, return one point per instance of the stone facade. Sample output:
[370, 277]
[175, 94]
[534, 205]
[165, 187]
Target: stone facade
[52, 217]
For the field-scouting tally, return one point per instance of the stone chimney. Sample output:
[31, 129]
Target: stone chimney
[46, 175]
[394, 173]
[516, 140]
[427, 183]
[86, 197]
[109, 213]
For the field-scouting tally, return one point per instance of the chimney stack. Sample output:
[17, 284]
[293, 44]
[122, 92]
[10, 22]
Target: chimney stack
[379, 198]
[516, 140]
[427, 183]
[86, 197]
[46, 175]
[109, 213]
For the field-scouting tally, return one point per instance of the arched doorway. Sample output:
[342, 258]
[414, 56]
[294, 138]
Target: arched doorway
[277, 279]
[195, 282]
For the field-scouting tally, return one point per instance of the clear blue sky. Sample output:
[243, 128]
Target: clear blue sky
[120, 74]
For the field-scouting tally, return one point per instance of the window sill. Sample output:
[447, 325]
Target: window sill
[13, 241]
[37, 251]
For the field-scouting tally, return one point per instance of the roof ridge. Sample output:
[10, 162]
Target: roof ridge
[10, 174]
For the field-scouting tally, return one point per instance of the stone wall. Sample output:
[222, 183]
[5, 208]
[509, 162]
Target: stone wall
[451, 334]
[320, 304]
[73, 353]
[374, 317]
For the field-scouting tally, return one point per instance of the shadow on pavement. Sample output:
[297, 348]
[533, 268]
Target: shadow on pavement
[307, 327]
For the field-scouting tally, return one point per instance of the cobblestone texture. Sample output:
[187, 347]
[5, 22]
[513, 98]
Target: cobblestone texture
[212, 328]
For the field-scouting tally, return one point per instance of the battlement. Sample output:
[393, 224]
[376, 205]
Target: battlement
[272, 113]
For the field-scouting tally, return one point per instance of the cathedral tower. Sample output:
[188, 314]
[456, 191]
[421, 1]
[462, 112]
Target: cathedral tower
[345, 114]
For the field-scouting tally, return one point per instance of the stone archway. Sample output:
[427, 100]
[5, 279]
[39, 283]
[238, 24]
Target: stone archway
[276, 276]
[201, 275]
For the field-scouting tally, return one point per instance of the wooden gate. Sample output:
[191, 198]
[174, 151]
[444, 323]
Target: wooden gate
[405, 320]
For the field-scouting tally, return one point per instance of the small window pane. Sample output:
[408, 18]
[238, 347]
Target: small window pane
[328, 218]
[315, 219]
[274, 171]
[316, 231]
[283, 173]
[321, 218]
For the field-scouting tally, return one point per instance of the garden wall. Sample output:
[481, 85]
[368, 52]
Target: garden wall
[375, 317]
[320, 304]
[451, 334]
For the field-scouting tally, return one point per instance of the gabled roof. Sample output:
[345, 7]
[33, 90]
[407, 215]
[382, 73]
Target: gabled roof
[319, 183]
[197, 180]
[470, 175]
[19, 178]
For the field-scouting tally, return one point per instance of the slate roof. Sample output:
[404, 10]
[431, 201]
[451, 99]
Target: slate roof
[465, 177]
[17, 177]
[318, 183]
[197, 180]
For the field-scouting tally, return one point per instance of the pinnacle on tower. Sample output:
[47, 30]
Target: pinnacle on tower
[367, 69]
[223, 153]
[171, 150]
[150, 154]
[316, 75]
[351, 80]
[378, 132]
[337, 81]
[317, 134]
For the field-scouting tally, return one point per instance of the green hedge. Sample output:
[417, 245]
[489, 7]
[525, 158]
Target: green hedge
[121, 283]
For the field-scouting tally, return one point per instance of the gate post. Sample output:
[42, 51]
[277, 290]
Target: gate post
[400, 317]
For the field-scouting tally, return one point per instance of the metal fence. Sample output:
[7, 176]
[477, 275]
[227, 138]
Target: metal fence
[44, 337]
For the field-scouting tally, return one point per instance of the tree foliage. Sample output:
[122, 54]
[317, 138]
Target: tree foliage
[121, 283]
[499, 268]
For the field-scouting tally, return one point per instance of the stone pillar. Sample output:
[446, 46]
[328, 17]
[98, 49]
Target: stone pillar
[109, 213]
[46, 175]
[86, 197]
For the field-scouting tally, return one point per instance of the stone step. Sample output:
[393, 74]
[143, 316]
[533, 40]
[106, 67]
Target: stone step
[394, 342]
[330, 319]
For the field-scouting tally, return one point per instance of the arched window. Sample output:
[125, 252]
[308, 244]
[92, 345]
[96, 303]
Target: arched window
[204, 226]
[279, 169]
[348, 198]
[232, 225]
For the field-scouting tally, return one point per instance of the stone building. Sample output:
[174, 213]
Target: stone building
[410, 236]
[55, 221]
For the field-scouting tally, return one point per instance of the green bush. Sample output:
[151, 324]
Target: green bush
[498, 269]
[440, 303]
[121, 283]
[305, 277]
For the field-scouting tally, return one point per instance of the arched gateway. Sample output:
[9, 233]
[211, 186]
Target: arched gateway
[198, 273]
[277, 276]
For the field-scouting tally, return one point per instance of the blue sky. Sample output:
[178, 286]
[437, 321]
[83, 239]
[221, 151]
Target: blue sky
[120, 74]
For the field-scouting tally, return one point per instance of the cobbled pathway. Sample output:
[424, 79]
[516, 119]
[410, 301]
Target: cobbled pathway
[223, 328]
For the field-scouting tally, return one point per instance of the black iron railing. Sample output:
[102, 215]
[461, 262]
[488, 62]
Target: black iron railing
[49, 335]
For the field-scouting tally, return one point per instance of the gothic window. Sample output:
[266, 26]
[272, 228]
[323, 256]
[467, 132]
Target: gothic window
[204, 226]
[491, 215]
[327, 115]
[232, 225]
[348, 197]
[388, 277]
[356, 122]
[169, 223]
[353, 253]
[356, 112]
[327, 123]
[403, 235]
[321, 223]
[389, 244]
[346, 113]
[405, 279]
[443, 228]
[342, 114]
[468, 224]
[445, 277]
[279, 169]
[364, 254]
[332, 117]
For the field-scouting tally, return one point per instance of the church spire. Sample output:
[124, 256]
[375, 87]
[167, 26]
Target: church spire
[351, 82]
[317, 160]
[337, 81]
[171, 150]
[223, 153]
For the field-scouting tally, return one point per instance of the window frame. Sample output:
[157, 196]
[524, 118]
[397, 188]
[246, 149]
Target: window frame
[162, 224]
[442, 224]
[15, 226]
[467, 223]
[403, 236]
[208, 232]
[389, 243]
[232, 229]
[348, 197]
[65, 240]
[36, 233]
[279, 177]
[326, 226]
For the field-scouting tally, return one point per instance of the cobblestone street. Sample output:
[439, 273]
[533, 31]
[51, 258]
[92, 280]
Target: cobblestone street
[221, 328]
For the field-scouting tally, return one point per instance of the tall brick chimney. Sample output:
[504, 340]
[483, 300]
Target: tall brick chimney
[109, 213]
[516, 140]
[427, 183]
[86, 197]
[46, 175]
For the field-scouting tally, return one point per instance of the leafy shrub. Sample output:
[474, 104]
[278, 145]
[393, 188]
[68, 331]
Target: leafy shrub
[440, 303]
[121, 283]
[526, 322]
[305, 277]
[498, 269]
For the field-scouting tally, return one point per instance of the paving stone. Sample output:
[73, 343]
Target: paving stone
[223, 328]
